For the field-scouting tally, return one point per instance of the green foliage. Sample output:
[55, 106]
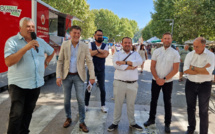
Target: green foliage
[107, 21]
[78, 8]
[137, 35]
[192, 18]
[113, 27]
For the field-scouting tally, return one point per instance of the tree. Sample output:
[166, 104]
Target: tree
[137, 35]
[108, 22]
[194, 18]
[147, 31]
[78, 8]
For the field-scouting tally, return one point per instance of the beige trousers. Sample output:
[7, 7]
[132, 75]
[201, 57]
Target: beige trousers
[124, 90]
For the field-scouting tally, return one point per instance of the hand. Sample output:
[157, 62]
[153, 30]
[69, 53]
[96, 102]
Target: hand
[59, 82]
[130, 68]
[92, 81]
[160, 82]
[129, 63]
[32, 44]
[120, 63]
[207, 65]
[101, 51]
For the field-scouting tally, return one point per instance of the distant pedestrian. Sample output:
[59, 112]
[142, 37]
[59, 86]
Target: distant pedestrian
[98, 51]
[71, 71]
[198, 65]
[125, 83]
[182, 54]
[152, 49]
[164, 65]
[143, 55]
[134, 48]
[177, 48]
[26, 68]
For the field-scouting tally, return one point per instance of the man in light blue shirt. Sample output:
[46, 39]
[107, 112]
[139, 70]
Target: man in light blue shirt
[26, 69]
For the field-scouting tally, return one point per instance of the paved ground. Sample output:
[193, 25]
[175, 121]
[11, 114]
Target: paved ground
[49, 115]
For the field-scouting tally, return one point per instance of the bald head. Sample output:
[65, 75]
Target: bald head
[201, 40]
[199, 45]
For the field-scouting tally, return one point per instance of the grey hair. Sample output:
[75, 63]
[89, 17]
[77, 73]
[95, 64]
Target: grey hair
[24, 19]
[203, 41]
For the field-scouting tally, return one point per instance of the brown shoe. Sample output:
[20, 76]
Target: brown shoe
[67, 122]
[83, 127]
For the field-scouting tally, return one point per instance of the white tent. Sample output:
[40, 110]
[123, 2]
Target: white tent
[152, 39]
[191, 42]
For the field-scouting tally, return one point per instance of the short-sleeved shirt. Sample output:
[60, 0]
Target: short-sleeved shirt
[199, 60]
[28, 73]
[98, 47]
[183, 54]
[165, 60]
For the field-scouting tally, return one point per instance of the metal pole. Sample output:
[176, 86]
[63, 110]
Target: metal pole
[172, 26]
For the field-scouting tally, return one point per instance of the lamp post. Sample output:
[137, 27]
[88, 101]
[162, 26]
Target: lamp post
[171, 24]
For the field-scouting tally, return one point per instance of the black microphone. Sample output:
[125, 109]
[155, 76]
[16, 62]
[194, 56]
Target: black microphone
[34, 37]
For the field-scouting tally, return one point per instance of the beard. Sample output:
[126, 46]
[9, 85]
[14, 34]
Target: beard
[167, 44]
[99, 40]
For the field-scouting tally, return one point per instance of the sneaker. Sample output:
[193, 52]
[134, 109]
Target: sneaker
[86, 108]
[104, 109]
[112, 127]
[136, 126]
[97, 84]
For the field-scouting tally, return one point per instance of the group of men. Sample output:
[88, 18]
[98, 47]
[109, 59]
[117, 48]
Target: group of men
[26, 71]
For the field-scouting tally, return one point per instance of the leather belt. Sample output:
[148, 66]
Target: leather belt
[73, 73]
[128, 81]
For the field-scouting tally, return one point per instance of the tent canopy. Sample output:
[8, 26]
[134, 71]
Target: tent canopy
[191, 41]
[152, 39]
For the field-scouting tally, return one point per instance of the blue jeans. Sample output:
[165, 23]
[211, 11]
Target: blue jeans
[79, 88]
[101, 80]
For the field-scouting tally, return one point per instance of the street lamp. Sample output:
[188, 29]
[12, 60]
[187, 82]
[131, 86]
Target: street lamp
[171, 24]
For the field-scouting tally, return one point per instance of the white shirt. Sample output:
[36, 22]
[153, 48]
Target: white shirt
[164, 61]
[120, 72]
[98, 47]
[200, 61]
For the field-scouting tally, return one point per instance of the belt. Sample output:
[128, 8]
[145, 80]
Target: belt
[200, 82]
[128, 81]
[73, 73]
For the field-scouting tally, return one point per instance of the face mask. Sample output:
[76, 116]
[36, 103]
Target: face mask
[100, 40]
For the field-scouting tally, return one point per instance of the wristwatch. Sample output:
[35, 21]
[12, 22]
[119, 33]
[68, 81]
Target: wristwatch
[192, 68]
[47, 63]
[125, 62]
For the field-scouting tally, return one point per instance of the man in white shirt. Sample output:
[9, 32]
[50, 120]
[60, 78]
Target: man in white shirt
[198, 65]
[125, 82]
[164, 65]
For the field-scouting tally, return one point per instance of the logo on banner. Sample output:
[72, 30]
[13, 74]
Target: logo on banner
[43, 19]
[10, 9]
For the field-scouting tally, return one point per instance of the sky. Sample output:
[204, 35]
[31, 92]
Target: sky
[138, 10]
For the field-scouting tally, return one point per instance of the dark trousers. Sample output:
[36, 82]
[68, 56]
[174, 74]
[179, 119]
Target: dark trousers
[203, 92]
[101, 80]
[23, 102]
[167, 92]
